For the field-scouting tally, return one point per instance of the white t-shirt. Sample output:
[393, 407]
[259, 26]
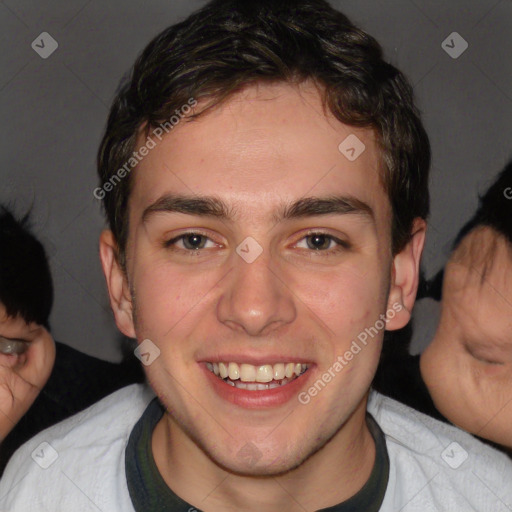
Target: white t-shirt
[78, 465]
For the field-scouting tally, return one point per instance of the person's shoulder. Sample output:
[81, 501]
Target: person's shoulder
[70, 363]
[75, 458]
[79, 380]
[437, 464]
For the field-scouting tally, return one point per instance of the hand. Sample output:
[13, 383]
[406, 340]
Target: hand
[22, 376]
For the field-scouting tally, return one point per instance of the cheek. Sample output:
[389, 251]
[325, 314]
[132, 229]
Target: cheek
[347, 301]
[167, 299]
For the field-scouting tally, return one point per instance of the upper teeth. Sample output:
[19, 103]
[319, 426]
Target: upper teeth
[249, 373]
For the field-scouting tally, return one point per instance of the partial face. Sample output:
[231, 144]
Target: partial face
[27, 355]
[258, 250]
[470, 360]
[17, 337]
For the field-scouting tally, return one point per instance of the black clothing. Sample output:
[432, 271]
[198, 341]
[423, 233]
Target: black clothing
[401, 380]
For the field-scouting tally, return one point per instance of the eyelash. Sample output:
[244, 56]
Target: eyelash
[483, 359]
[341, 244]
[488, 361]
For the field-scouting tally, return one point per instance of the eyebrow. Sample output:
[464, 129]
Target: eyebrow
[210, 206]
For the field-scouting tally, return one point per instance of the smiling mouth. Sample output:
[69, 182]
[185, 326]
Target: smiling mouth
[257, 378]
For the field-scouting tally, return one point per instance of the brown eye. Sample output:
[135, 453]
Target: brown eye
[322, 242]
[190, 242]
[194, 241]
[319, 242]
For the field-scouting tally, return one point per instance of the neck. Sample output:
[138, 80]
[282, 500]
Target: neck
[328, 476]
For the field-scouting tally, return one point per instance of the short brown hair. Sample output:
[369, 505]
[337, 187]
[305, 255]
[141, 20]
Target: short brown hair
[230, 44]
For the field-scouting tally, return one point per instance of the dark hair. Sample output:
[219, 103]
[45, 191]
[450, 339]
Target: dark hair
[26, 287]
[230, 44]
[494, 211]
[494, 208]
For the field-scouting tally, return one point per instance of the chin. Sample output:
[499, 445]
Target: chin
[262, 467]
[253, 458]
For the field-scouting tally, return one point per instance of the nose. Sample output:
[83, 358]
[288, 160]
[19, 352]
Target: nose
[256, 299]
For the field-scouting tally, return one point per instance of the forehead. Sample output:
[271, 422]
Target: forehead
[479, 279]
[266, 144]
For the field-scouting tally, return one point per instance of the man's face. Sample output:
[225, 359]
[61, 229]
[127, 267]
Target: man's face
[473, 373]
[271, 284]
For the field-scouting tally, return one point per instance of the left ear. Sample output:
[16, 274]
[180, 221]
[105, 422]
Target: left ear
[405, 278]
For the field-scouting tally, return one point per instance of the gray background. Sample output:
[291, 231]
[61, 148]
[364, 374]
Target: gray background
[53, 112]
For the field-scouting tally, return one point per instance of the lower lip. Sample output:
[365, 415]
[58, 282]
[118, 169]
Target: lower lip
[260, 398]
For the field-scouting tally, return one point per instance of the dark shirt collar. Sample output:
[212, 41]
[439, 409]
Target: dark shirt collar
[148, 490]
